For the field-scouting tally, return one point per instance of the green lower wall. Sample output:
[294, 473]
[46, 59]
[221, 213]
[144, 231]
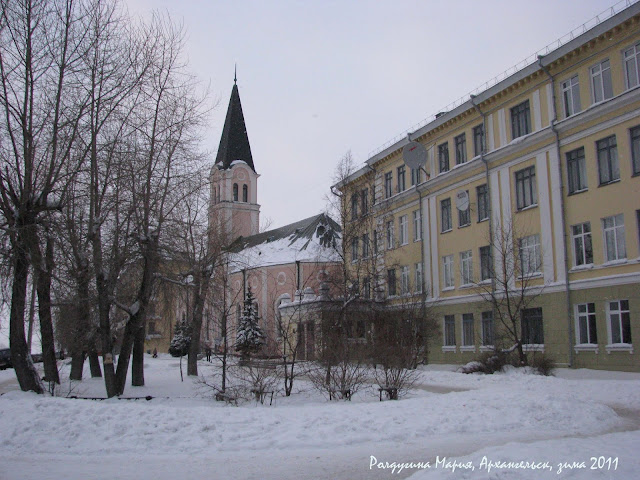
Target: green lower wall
[556, 330]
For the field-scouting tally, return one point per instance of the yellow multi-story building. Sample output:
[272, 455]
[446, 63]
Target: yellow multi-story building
[531, 186]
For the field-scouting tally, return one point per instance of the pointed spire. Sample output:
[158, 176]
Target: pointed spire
[234, 143]
[235, 74]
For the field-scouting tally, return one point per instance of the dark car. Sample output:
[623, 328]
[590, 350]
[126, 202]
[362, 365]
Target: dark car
[5, 359]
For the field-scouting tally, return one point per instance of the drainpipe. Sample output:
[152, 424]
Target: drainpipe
[567, 287]
[489, 204]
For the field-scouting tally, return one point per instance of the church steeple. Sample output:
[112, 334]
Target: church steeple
[234, 143]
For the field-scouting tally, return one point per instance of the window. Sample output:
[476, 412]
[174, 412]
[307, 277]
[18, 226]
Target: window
[365, 245]
[443, 157]
[366, 288]
[577, 170]
[619, 321]
[404, 230]
[402, 185]
[245, 193]
[391, 281]
[364, 198]
[464, 216]
[608, 167]
[467, 329]
[404, 280]
[601, 87]
[354, 249]
[151, 328]
[478, 140]
[418, 278]
[445, 210]
[487, 328]
[526, 191]
[531, 326]
[416, 175]
[520, 120]
[614, 242]
[571, 96]
[390, 234]
[586, 324]
[447, 271]
[530, 255]
[417, 226]
[632, 66]
[635, 150]
[375, 242]
[482, 194]
[354, 206]
[449, 331]
[582, 249]
[466, 267]
[485, 263]
[388, 188]
[461, 149]
[235, 192]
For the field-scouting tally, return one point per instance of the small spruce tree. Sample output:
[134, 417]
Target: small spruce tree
[179, 346]
[250, 337]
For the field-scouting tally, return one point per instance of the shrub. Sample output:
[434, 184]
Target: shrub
[543, 364]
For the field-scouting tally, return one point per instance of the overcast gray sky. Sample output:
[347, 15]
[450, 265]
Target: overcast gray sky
[320, 78]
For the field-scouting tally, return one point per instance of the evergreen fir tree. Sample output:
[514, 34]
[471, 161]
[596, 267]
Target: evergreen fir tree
[179, 346]
[250, 337]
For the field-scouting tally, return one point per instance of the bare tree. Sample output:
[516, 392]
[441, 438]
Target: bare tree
[514, 266]
[42, 104]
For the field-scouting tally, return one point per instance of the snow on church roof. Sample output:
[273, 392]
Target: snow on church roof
[314, 239]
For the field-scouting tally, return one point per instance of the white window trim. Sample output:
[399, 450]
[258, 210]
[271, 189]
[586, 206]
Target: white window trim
[584, 266]
[452, 273]
[467, 261]
[614, 261]
[403, 227]
[591, 87]
[570, 91]
[468, 348]
[533, 347]
[581, 347]
[636, 47]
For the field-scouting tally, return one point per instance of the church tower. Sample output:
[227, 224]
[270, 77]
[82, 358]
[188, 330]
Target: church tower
[234, 209]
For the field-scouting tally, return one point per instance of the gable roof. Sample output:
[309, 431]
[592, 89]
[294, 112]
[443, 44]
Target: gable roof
[313, 239]
[234, 142]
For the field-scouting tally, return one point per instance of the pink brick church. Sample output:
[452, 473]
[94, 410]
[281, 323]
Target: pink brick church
[277, 265]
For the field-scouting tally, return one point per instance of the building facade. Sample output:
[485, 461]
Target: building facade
[530, 187]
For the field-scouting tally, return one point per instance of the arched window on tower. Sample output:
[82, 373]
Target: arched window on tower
[235, 192]
[245, 194]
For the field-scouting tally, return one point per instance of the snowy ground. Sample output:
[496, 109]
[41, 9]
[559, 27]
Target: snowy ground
[452, 424]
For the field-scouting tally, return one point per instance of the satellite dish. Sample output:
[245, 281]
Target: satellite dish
[414, 155]
[462, 200]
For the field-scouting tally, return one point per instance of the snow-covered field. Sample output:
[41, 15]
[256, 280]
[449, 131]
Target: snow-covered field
[450, 426]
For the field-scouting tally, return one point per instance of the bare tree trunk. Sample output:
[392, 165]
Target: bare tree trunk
[44, 312]
[22, 364]
[32, 312]
[94, 363]
[201, 288]
[137, 364]
[77, 364]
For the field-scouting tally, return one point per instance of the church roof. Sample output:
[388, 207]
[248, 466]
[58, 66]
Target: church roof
[315, 238]
[234, 143]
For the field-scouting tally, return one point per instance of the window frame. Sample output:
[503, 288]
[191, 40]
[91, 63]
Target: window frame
[245, 193]
[486, 267]
[443, 157]
[402, 181]
[482, 200]
[403, 230]
[619, 232]
[418, 277]
[579, 241]
[448, 276]
[604, 73]
[577, 171]
[520, 120]
[532, 319]
[460, 145]
[526, 183]
[392, 285]
[620, 311]
[468, 330]
[364, 201]
[589, 318]
[571, 96]
[634, 139]
[390, 234]
[478, 140]
[404, 280]
[365, 245]
[449, 331]
[464, 216]
[466, 268]
[417, 225]
[635, 57]
[488, 338]
[526, 245]
[355, 249]
[607, 151]
[355, 200]
[445, 206]
[388, 184]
